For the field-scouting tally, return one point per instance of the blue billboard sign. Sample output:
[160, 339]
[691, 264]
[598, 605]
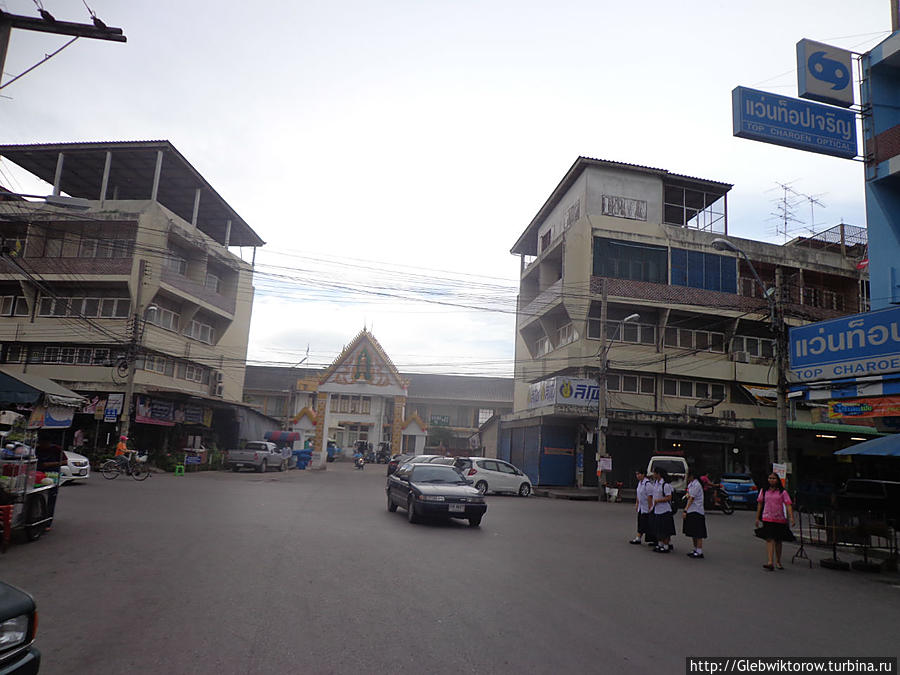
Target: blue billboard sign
[852, 346]
[823, 73]
[793, 123]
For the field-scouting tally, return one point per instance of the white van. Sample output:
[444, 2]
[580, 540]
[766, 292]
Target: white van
[677, 468]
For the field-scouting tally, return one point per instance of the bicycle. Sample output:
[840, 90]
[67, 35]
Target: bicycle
[135, 466]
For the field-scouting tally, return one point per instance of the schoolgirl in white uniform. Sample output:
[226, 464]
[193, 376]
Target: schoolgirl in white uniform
[694, 515]
[644, 498]
[663, 493]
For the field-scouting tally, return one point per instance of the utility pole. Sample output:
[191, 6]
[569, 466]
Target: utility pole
[601, 381]
[780, 353]
[48, 24]
[132, 353]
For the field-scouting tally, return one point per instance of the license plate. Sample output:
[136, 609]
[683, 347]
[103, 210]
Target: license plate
[457, 508]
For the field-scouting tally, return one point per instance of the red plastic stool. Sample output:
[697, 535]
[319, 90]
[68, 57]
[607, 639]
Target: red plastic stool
[6, 519]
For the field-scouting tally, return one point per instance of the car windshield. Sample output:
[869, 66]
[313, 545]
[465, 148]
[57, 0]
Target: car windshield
[436, 473]
[671, 466]
[737, 477]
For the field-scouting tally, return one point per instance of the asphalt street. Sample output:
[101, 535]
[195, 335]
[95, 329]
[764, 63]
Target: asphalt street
[307, 572]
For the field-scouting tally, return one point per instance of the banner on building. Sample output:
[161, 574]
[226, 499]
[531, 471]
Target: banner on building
[583, 393]
[885, 406]
[154, 411]
[114, 405]
[52, 417]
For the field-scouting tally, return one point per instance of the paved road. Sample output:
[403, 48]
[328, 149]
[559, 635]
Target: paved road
[307, 572]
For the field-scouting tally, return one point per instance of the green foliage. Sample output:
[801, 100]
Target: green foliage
[439, 435]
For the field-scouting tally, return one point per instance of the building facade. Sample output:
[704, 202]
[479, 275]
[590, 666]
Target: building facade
[630, 252]
[437, 410]
[136, 292]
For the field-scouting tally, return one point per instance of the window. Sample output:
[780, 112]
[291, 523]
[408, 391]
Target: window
[692, 389]
[648, 385]
[541, 346]
[101, 357]
[630, 384]
[685, 388]
[193, 373]
[13, 353]
[701, 389]
[67, 355]
[83, 356]
[670, 387]
[175, 263]
[700, 340]
[53, 247]
[51, 354]
[484, 414]
[753, 346]
[158, 364]
[88, 248]
[164, 318]
[213, 283]
[545, 240]
[567, 334]
[201, 331]
[709, 271]
[630, 260]
[613, 383]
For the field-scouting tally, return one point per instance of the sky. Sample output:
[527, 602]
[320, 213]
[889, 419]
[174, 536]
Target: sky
[391, 153]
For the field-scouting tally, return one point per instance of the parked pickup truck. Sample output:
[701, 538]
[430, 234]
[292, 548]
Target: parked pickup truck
[259, 455]
[18, 624]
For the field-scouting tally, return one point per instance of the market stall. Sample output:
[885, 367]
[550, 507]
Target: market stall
[29, 474]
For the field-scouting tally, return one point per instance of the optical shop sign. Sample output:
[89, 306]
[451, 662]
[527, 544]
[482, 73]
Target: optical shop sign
[852, 346]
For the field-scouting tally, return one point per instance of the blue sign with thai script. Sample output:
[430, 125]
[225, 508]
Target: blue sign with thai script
[793, 123]
[852, 346]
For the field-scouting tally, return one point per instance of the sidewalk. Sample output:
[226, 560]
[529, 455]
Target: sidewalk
[583, 494]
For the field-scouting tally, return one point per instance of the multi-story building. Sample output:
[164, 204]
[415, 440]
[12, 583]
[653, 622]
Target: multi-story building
[439, 409]
[138, 284]
[629, 251]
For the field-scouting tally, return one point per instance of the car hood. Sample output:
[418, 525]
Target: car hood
[446, 490]
[74, 456]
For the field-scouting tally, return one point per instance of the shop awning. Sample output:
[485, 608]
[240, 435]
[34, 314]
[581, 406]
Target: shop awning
[821, 427]
[282, 436]
[886, 446]
[28, 389]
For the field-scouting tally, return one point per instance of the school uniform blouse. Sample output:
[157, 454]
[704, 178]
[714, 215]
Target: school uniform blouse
[643, 491]
[662, 489]
[695, 490]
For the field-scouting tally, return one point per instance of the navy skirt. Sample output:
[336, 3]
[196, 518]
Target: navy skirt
[665, 525]
[775, 531]
[694, 526]
[643, 523]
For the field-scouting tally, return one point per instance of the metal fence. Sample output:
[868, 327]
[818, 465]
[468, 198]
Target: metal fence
[870, 537]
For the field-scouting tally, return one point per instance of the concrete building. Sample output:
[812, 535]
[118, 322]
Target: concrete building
[627, 251]
[457, 405]
[139, 283]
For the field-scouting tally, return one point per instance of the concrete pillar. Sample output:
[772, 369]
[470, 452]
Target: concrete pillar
[320, 445]
[57, 178]
[105, 183]
[156, 173]
[397, 425]
[196, 207]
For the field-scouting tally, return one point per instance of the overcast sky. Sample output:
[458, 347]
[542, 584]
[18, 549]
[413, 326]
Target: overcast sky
[404, 146]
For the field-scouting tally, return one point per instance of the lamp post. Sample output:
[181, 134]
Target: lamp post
[776, 325]
[601, 378]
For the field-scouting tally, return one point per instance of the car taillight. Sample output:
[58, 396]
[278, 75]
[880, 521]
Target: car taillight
[471, 472]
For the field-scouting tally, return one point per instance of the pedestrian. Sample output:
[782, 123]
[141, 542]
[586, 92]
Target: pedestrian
[694, 516]
[773, 510]
[644, 497]
[662, 511]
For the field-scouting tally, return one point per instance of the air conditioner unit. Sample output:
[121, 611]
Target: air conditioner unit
[691, 410]
[728, 414]
[740, 357]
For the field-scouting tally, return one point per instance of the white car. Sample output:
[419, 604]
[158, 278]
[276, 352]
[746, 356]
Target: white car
[494, 475]
[77, 467]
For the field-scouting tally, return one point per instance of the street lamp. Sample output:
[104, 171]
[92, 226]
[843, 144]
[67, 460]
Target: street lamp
[601, 379]
[776, 325]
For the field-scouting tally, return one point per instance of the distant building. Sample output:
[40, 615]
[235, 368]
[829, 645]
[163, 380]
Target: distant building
[141, 276]
[359, 408]
[691, 370]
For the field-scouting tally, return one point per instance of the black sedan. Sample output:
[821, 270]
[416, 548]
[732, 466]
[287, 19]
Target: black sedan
[434, 490]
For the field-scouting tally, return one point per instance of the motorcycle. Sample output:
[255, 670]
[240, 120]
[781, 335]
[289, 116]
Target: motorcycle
[359, 462]
[715, 497]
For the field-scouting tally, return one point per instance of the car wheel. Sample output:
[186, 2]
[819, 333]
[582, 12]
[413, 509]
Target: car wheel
[475, 521]
[262, 468]
[482, 487]
[411, 511]
[392, 507]
[524, 490]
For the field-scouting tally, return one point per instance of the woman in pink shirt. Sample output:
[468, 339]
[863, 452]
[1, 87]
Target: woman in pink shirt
[771, 521]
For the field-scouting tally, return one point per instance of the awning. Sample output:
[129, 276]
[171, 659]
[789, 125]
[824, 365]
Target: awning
[25, 388]
[282, 436]
[886, 446]
[762, 395]
[821, 427]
